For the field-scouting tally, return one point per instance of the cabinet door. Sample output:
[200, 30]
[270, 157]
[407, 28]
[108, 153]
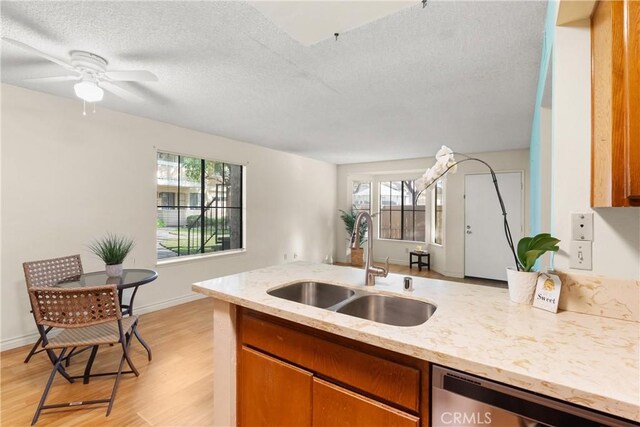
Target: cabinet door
[271, 392]
[632, 16]
[615, 90]
[335, 406]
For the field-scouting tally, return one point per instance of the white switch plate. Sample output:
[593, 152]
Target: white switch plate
[580, 257]
[582, 226]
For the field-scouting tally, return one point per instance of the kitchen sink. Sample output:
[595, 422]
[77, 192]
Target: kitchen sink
[317, 294]
[389, 310]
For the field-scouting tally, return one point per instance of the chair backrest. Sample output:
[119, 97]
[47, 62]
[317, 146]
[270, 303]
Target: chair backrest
[75, 307]
[49, 272]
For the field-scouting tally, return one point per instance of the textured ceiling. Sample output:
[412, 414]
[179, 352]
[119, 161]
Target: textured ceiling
[457, 73]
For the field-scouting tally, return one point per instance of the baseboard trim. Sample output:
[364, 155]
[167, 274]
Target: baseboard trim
[10, 343]
[168, 303]
[15, 342]
[402, 262]
[455, 274]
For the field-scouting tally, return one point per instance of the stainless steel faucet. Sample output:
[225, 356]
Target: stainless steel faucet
[371, 270]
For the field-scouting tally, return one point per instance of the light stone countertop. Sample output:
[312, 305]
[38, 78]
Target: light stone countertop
[587, 360]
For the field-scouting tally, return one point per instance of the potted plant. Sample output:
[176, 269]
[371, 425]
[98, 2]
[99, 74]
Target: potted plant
[522, 282]
[349, 219]
[112, 249]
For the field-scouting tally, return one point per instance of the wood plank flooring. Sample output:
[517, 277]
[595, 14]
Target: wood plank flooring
[175, 389]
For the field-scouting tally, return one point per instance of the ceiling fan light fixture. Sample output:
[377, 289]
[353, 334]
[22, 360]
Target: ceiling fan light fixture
[88, 91]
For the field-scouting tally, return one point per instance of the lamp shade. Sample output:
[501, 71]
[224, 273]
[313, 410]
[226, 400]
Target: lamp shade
[88, 91]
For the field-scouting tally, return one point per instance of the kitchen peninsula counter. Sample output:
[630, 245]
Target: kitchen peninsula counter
[587, 360]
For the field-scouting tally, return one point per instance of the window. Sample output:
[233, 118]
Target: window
[436, 217]
[199, 206]
[402, 217]
[166, 198]
[361, 196]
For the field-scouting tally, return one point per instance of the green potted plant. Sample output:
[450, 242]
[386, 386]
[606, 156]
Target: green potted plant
[522, 280]
[349, 219]
[112, 249]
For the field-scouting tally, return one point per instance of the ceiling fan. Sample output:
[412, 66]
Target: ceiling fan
[90, 70]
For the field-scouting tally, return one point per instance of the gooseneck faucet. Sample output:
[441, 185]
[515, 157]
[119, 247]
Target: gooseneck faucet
[371, 271]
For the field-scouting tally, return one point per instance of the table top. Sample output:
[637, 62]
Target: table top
[131, 277]
[415, 252]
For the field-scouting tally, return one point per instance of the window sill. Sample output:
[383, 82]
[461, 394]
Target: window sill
[437, 245]
[198, 257]
[416, 242]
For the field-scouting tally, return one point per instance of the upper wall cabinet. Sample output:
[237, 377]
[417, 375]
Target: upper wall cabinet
[615, 93]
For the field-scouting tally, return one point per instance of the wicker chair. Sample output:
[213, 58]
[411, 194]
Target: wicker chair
[89, 317]
[46, 273]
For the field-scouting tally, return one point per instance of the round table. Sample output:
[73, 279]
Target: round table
[130, 278]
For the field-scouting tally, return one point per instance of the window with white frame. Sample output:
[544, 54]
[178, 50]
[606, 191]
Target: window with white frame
[361, 196]
[436, 214]
[402, 211]
[199, 206]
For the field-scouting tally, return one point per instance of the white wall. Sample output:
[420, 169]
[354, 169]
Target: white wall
[68, 179]
[447, 259]
[616, 245]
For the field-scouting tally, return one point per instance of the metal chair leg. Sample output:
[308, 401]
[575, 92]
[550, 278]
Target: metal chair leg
[125, 349]
[34, 349]
[67, 362]
[60, 368]
[48, 386]
[144, 344]
[87, 370]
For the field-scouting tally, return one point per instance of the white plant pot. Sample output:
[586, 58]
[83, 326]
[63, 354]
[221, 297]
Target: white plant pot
[522, 285]
[113, 270]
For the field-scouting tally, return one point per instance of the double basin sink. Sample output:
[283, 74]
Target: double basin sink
[390, 310]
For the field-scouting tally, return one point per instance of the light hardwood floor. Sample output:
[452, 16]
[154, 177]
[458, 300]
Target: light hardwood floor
[175, 389]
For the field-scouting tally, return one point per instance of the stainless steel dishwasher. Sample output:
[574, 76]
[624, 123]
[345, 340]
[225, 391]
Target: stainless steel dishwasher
[459, 399]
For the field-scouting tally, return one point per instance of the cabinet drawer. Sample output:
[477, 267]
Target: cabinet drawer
[334, 406]
[374, 375]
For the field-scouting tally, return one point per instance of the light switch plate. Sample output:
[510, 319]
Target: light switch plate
[580, 257]
[582, 226]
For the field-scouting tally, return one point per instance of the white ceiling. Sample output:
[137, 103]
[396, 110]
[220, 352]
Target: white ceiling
[457, 73]
[310, 22]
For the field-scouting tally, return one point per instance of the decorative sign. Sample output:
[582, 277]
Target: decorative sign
[547, 293]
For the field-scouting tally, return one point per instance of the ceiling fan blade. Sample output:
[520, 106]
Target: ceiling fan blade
[132, 76]
[54, 79]
[118, 91]
[35, 51]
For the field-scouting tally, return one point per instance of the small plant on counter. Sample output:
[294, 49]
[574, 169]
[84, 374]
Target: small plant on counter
[112, 249]
[532, 248]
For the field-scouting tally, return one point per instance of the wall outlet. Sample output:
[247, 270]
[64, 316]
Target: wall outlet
[582, 226]
[580, 257]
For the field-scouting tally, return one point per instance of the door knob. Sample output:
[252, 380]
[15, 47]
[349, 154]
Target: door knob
[468, 231]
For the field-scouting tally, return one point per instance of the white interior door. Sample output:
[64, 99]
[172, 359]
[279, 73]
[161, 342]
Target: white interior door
[486, 252]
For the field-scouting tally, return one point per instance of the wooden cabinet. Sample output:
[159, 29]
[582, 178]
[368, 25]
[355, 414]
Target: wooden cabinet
[334, 406]
[274, 393]
[291, 372]
[615, 93]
